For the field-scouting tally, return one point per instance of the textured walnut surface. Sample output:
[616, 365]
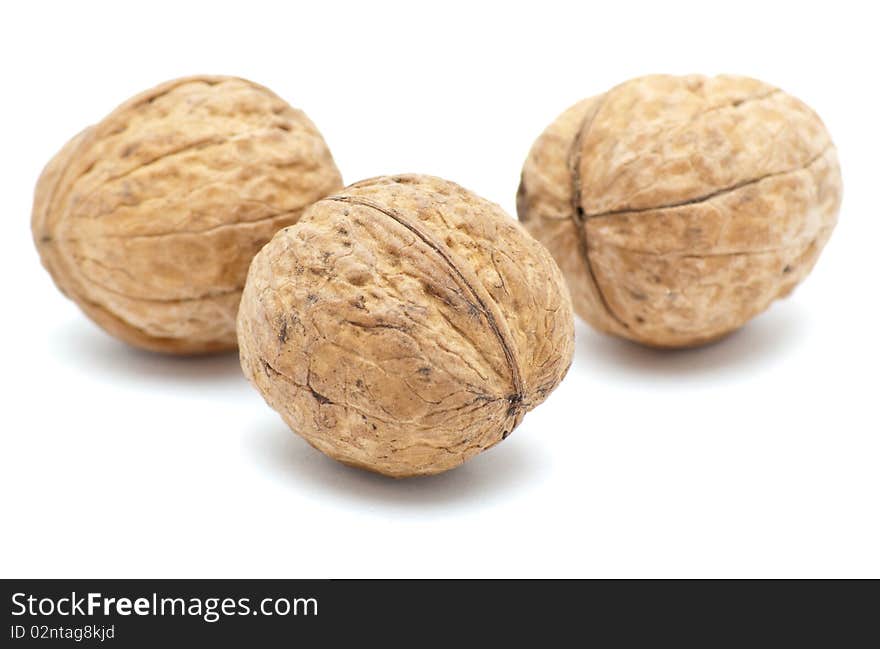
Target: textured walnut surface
[404, 325]
[680, 207]
[150, 218]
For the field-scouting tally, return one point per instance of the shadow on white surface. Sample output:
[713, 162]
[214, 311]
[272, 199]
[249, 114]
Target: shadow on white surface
[765, 339]
[501, 470]
[80, 344]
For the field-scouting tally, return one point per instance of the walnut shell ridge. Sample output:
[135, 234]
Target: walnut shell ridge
[404, 325]
[149, 219]
[680, 207]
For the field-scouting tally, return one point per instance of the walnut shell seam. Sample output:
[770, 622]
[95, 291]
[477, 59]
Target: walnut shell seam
[517, 398]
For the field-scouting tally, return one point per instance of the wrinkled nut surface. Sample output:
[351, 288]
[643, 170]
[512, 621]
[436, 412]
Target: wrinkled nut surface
[404, 325]
[149, 219]
[680, 207]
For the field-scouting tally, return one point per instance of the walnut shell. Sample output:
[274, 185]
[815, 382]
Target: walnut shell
[680, 207]
[404, 325]
[149, 219]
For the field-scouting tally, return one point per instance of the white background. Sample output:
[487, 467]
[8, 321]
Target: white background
[758, 456]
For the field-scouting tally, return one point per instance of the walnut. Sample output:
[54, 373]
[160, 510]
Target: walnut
[404, 325]
[149, 219]
[680, 207]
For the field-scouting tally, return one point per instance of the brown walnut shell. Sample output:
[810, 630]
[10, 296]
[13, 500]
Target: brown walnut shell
[404, 325]
[149, 219]
[680, 207]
